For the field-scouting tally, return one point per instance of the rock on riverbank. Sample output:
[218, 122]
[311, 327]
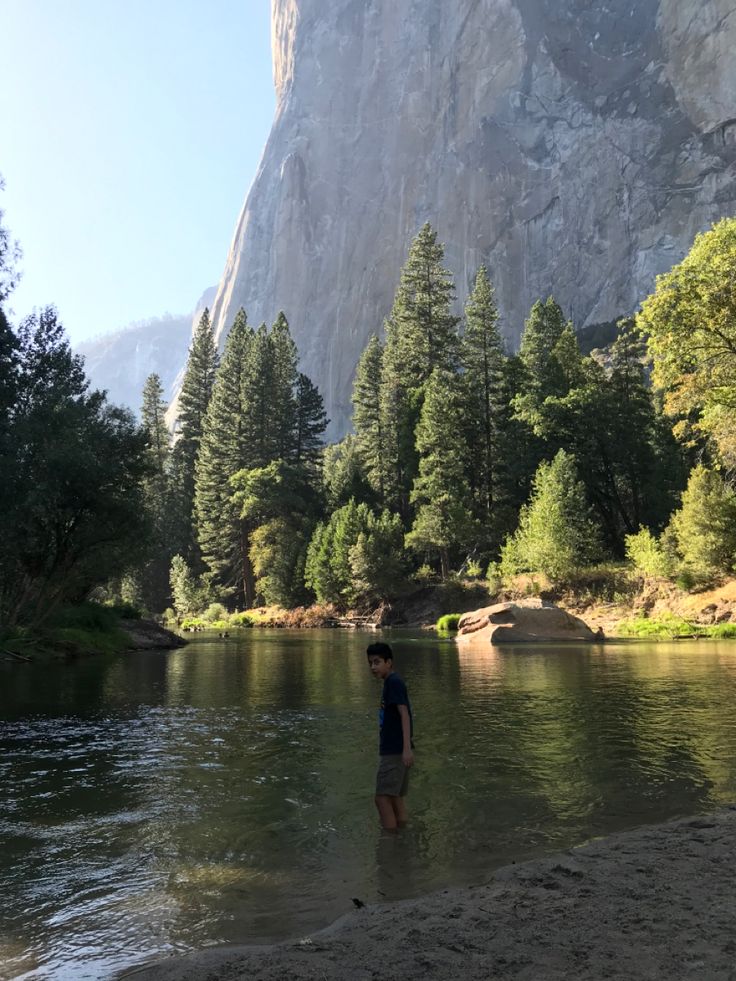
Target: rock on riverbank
[147, 635]
[652, 903]
[522, 622]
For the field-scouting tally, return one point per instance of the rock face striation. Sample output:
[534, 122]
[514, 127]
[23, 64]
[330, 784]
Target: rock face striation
[574, 148]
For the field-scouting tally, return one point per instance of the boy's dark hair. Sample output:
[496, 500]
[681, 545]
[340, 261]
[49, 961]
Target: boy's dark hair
[380, 650]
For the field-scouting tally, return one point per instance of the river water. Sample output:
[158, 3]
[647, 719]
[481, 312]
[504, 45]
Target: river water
[161, 802]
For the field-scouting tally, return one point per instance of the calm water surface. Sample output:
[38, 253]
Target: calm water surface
[223, 792]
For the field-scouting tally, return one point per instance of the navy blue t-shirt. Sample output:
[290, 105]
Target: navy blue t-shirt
[389, 720]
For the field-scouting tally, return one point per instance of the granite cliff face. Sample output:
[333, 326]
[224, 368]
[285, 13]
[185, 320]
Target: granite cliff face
[575, 148]
[121, 361]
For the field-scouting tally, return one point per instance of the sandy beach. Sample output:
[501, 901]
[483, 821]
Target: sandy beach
[655, 903]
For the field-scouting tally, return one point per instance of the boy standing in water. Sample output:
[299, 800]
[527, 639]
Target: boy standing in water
[395, 745]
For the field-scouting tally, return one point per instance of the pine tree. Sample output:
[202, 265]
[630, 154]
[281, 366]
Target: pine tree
[545, 376]
[367, 416]
[196, 391]
[343, 476]
[482, 359]
[268, 396]
[150, 583]
[224, 450]
[311, 422]
[421, 335]
[444, 516]
[284, 381]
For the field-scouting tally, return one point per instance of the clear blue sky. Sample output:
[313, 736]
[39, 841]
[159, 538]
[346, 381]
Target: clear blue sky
[130, 132]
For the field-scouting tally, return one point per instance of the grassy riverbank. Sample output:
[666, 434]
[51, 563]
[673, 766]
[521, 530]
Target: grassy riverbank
[613, 597]
[85, 630]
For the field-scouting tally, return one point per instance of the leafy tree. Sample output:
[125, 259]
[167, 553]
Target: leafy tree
[649, 555]
[690, 322]
[194, 400]
[356, 557]
[278, 553]
[276, 503]
[187, 591]
[72, 470]
[482, 359]
[444, 518]
[556, 533]
[421, 335]
[9, 257]
[626, 457]
[705, 526]
[377, 560]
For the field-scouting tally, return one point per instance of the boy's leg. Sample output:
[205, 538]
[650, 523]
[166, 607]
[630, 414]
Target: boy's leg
[400, 813]
[386, 812]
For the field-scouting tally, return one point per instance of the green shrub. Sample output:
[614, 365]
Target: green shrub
[219, 624]
[474, 570]
[241, 619]
[494, 578]
[648, 556]
[448, 623]
[215, 612]
[194, 623]
[425, 574]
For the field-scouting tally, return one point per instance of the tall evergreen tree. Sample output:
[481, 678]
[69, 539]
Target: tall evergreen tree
[151, 581]
[444, 517]
[545, 376]
[225, 450]
[194, 399]
[367, 416]
[284, 382]
[153, 412]
[311, 422]
[421, 335]
[482, 359]
[343, 476]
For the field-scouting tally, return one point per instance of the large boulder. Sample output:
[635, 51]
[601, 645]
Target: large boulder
[522, 622]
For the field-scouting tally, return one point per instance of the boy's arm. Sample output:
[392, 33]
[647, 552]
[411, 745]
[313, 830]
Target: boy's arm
[407, 756]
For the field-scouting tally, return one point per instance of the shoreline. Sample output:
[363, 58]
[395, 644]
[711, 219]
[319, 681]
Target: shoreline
[655, 902]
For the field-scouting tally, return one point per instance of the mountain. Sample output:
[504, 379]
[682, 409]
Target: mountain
[574, 148]
[121, 361]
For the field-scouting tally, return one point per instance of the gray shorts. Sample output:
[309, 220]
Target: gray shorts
[392, 779]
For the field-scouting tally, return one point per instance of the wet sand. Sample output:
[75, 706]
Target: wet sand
[647, 905]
